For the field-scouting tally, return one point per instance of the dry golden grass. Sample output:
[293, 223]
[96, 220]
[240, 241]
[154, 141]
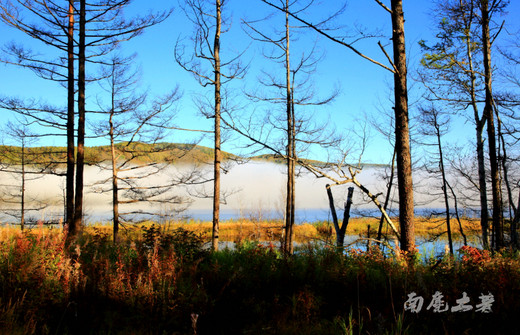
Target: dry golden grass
[423, 226]
[244, 229]
[240, 230]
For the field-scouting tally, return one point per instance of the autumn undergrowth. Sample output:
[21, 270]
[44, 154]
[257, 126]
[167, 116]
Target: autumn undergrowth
[166, 282]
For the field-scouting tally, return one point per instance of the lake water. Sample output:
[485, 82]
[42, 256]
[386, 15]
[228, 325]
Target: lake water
[427, 249]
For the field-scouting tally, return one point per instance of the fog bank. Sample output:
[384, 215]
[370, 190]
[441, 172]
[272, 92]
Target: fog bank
[253, 189]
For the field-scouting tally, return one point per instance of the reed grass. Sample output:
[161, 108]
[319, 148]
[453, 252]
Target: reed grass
[272, 230]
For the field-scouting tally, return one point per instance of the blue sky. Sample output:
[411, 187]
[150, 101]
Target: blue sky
[365, 88]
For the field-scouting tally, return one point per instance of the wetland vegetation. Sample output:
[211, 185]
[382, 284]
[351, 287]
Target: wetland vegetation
[164, 280]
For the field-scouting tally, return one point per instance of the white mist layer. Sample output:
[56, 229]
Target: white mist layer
[254, 188]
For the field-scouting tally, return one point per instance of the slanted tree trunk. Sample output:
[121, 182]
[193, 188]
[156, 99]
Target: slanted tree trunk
[402, 133]
[387, 198]
[489, 115]
[332, 209]
[218, 153]
[456, 206]
[69, 188]
[80, 162]
[444, 185]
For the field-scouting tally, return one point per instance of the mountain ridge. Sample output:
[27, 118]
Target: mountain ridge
[138, 152]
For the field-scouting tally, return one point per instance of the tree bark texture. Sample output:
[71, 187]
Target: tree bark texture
[290, 209]
[402, 133]
[80, 162]
[69, 187]
[340, 231]
[22, 200]
[387, 197]
[484, 210]
[489, 115]
[115, 188]
[444, 185]
[218, 154]
[479, 129]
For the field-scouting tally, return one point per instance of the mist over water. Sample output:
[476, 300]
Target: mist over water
[252, 190]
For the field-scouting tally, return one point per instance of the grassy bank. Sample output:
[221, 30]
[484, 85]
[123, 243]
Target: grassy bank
[165, 282]
[272, 230]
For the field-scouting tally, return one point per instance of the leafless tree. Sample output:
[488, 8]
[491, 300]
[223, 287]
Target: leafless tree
[292, 92]
[435, 124]
[61, 20]
[24, 165]
[208, 68]
[136, 128]
[399, 69]
[55, 25]
[102, 26]
[508, 128]
[338, 172]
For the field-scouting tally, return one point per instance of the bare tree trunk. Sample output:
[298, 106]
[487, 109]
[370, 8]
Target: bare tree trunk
[22, 200]
[346, 217]
[512, 207]
[293, 167]
[218, 154]
[489, 115]
[444, 186]
[455, 204]
[514, 224]
[332, 207]
[78, 211]
[502, 158]
[69, 197]
[115, 189]
[479, 128]
[340, 231]
[484, 211]
[289, 217]
[387, 198]
[402, 133]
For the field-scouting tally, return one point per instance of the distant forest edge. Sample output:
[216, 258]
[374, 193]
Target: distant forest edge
[139, 153]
